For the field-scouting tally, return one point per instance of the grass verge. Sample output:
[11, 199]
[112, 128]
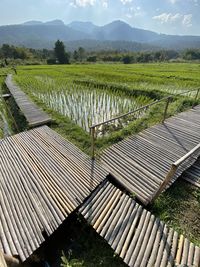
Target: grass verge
[179, 207]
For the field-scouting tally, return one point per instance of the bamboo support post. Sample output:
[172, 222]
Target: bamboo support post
[166, 108]
[2, 260]
[93, 142]
[168, 177]
[11, 261]
[173, 169]
[196, 97]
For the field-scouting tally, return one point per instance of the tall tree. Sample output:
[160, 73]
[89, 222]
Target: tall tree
[81, 53]
[60, 53]
[75, 55]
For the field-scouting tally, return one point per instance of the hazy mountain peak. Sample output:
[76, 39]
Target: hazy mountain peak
[118, 22]
[55, 22]
[77, 22]
[45, 34]
[83, 26]
[32, 22]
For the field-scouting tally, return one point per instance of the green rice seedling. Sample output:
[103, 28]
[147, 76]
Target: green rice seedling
[89, 94]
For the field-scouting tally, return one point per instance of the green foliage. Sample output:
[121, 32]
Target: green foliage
[68, 262]
[23, 55]
[191, 54]
[81, 53]
[12, 55]
[8, 51]
[127, 59]
[92, 59]
[51, 61]
[85, 248]
[60, 53]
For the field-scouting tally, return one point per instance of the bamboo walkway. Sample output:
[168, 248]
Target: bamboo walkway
[142, 162]
[34, 115]
[136, 235]
[43, 178]
[2, 260]
[192, 174]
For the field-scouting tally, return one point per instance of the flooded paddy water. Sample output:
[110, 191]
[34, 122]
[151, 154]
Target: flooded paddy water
[87, 106]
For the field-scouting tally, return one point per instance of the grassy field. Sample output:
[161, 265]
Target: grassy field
[163, 77]
[105, 91]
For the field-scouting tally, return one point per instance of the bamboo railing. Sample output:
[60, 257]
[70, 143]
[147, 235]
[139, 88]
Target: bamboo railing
[173, 170]
[168, 99]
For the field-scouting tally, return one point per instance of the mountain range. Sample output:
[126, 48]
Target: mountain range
[115, 35]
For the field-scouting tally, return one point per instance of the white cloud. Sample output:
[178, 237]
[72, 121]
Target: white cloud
[104, 4]
[135, 12]
[129, 16]
[124, 2]
[168, 17]
[82, 3]
[196, 2]
[185, 20]
[174, 1]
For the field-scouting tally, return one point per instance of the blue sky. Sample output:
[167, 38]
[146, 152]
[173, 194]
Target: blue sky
[163, 16]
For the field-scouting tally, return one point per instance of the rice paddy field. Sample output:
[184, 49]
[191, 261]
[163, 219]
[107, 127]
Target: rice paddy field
[77, 96]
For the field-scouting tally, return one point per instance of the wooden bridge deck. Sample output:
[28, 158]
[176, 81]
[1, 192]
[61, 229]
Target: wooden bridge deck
[192, 174]
[34, 115]
[142, 162]
[135, 234]
[43, 178]
[2, 260]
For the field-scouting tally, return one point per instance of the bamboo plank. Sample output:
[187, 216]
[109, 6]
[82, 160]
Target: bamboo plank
[34, 115]
[43, 178]
[135, 234]
[141, 162]
[2, 260]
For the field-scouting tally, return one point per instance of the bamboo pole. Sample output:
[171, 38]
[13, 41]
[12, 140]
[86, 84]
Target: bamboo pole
[2, 260]
[166, 108]
[196, 97]
[169, 176]
[93, 142]
[173, 169]
[11, 261]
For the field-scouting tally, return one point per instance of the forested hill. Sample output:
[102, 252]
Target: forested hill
[115, 35]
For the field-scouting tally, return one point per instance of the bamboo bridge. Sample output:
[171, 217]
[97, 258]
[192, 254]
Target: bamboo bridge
[44, 178]
[34, 116]
[149, 162]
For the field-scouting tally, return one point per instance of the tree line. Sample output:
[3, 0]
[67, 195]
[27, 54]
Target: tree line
[59, 55]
